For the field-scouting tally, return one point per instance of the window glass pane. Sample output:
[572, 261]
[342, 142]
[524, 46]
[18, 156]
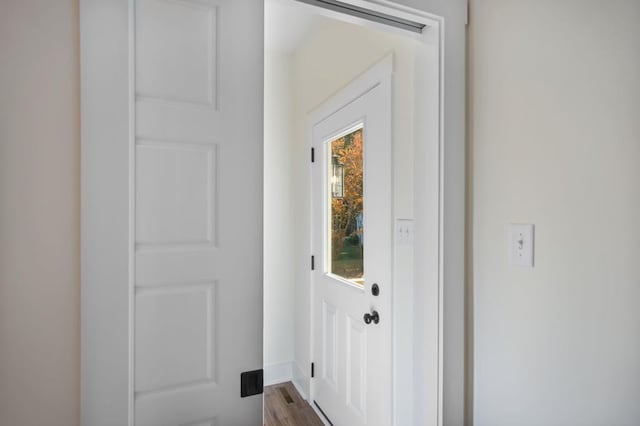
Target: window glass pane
[346, 233]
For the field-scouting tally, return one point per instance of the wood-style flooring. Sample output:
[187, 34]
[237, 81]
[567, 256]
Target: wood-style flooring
[283, 406]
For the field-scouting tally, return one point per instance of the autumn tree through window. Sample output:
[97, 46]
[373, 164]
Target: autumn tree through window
[347, 217]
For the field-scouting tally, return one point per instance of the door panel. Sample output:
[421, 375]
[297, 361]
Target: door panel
[356, 365]
[198, 212]
[170, 33]
[182, 353]
[329, 345]
[176, 193]
[355, 387]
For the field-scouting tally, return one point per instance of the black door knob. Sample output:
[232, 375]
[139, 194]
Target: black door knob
[373, 316]
[375, 289]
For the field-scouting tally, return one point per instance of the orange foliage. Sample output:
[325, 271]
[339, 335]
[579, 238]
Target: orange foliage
[344, 211]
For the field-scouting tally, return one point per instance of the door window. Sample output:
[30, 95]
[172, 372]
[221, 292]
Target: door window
[346, 214]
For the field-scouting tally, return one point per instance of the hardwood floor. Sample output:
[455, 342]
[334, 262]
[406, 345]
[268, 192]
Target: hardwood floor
[283, 406]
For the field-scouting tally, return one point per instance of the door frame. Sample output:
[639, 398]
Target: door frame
[107, 238]
[419, 382]
[106, 61]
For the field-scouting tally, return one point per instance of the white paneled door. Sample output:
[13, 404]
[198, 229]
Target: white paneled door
[194, 160]
[198, 211]
[352, 247]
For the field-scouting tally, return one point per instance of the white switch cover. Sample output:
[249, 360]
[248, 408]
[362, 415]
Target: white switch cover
[404, 231]
[521, 244]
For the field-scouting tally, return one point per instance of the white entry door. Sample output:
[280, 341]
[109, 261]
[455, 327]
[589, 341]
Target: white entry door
[352, 229]
[191, 155]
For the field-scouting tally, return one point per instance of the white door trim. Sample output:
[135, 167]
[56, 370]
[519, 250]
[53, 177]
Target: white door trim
[107, 109]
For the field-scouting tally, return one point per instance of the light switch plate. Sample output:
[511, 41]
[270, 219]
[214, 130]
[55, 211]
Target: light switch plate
[404, 231]
[521, 244]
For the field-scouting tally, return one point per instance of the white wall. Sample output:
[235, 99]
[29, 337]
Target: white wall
[278, 218]
[555, 141]
[333, 55]
[39, 213]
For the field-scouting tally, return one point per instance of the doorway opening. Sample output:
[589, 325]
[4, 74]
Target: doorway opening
[311, 55]
[172, 198]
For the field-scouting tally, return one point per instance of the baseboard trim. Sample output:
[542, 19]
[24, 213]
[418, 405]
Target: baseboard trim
[301, 381]
[300, 390]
